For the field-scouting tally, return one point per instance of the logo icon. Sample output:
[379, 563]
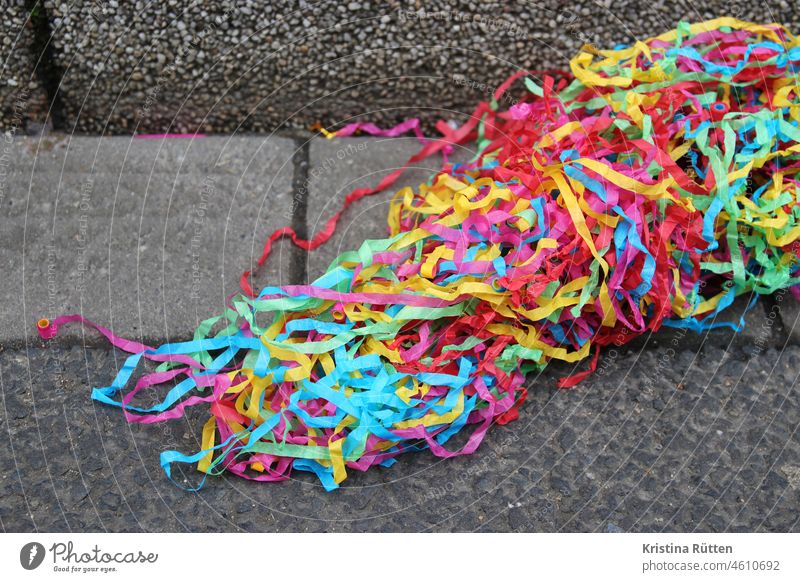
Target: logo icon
[31, 555]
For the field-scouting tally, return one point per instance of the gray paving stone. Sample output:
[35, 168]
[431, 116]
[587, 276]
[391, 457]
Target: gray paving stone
[339, 166]
[149, 242]
[224, 155]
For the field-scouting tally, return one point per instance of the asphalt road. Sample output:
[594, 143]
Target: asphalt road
[698, 441]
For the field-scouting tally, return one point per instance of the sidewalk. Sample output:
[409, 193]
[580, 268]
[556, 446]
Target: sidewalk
[148, 237]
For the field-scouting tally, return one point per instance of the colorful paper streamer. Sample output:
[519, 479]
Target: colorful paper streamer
[650, 186]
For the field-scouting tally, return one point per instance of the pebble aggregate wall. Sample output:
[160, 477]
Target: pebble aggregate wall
[259, 66]
[22, 97]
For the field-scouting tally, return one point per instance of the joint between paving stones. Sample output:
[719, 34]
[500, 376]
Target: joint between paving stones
[301, 161]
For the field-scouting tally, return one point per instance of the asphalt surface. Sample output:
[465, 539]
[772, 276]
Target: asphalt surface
[678, 432]
[696, 442]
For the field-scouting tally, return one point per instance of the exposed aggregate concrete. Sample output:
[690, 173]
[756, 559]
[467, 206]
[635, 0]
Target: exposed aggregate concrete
[182, 65]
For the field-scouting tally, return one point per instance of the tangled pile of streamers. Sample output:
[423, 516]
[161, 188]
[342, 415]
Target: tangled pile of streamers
[648, 186]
